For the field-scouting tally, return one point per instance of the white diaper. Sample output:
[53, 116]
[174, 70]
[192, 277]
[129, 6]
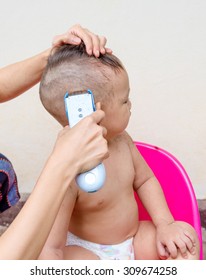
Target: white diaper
[121, 251]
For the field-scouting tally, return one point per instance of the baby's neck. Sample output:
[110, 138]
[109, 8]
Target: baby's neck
[113, 140]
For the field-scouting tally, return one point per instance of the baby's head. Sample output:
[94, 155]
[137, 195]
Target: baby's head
[70, 69]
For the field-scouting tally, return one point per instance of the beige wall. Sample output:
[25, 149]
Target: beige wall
[162, 44]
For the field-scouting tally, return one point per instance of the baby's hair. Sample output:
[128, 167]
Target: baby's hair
[71, 69]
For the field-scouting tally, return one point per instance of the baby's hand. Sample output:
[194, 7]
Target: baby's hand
[171, 238]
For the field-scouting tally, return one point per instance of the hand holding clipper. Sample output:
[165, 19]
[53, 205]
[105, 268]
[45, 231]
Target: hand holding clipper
[79, 105]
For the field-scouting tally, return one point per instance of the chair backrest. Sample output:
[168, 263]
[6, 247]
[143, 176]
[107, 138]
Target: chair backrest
[176, 185]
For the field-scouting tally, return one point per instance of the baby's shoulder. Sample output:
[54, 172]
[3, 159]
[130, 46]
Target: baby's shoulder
[121, 142]
[125, 137]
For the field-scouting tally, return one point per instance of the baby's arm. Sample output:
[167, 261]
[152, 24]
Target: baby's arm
[170, 235]
[56, 241]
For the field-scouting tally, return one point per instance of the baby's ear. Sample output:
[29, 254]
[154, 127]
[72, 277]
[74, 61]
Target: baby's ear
[98, 106]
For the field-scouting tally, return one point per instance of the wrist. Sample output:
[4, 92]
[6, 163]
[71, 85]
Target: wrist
[163, 221]
[43, 58]
[65, 169]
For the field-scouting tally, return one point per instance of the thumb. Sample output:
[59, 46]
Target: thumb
[98, 106]
[72, 39]
[66, 38]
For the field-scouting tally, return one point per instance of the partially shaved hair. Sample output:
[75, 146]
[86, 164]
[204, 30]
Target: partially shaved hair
[71, 69]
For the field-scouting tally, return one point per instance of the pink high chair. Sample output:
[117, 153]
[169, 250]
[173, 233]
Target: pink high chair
[176, 185]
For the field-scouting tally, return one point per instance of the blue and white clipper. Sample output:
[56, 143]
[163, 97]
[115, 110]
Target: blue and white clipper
[79, 105]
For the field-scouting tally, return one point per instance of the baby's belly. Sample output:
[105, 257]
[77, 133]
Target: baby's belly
[111, 225]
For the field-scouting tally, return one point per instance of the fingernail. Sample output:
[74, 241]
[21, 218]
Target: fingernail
[89, 51]
[76, 39]
[103, 50]
[97, 53]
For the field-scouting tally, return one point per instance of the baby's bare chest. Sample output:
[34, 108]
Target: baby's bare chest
[119, 166]
[119, 181]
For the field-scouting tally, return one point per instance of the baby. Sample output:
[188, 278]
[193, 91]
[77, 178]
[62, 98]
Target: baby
[105, 225]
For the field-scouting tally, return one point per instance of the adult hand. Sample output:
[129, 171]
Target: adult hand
[82, 146]
[95, 45]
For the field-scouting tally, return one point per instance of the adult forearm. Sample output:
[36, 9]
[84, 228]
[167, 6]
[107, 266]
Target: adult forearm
[76, 150]
[19, 77]
[26, 236]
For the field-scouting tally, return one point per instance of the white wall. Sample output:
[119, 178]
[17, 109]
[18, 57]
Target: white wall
[162, 44]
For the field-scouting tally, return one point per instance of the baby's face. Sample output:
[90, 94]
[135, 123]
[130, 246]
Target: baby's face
[117, 113]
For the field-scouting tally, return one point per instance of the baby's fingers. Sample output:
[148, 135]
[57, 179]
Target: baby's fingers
[189, 240]
[172, 249]
[181, 245]
[190, 236]
[162, 251]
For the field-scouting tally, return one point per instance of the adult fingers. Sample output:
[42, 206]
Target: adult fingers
[97, 116]
[94, 44]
